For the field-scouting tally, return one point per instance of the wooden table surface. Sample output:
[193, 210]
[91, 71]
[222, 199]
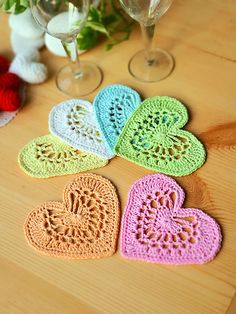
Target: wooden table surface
[200, 36]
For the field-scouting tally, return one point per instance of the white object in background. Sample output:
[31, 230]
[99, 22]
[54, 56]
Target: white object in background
[54, 45]
[62, 23]
[27, 67]
[25, 25]
[31, 55]
[21, 44]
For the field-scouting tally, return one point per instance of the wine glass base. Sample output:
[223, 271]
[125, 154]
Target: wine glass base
[159, 68]
[81, 86]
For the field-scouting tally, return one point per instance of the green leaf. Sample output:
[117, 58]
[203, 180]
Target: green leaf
[108, 20]
[97, 27]
[94, 14]
[24, 3]
[87, 38]
[118, 39]
[14, 6]
[7, 5]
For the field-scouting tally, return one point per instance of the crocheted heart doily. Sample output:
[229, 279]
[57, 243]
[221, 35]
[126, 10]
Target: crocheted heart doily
[156, 228]
[153, 138]
[73, 121]
[47, 156]
[84, 226]
[113, 105]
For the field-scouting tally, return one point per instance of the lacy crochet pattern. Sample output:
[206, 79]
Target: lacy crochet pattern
[73, 121]
[113, 105]
[156, 228]
[153, 138]
[47, 156]
[84, 226]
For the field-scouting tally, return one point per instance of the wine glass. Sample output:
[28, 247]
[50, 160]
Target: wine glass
[148, 65]
[64, 19]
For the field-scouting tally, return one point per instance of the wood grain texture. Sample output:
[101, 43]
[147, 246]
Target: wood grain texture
[199, 34]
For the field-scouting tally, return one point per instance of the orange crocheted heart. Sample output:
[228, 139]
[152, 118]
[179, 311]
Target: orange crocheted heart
[84, 226]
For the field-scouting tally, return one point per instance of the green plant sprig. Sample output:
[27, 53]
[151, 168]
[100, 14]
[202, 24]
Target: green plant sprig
[14, 6]
[107, 21]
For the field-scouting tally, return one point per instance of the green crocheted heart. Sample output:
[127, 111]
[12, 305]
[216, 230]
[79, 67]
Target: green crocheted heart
[152, 138]
[46, 156]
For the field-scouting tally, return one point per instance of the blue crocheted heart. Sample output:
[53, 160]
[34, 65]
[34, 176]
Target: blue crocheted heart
[113, 105]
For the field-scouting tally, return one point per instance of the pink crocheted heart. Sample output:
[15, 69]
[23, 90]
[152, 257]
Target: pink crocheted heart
[155, 227]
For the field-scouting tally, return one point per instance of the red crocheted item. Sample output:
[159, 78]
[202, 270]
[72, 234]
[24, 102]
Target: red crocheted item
[10, 83]
[10, 100]
[4, 65]
[9, 80]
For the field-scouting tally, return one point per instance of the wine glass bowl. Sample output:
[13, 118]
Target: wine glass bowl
[64, 19]
[146, 12]
[59, 19]
[150, 64]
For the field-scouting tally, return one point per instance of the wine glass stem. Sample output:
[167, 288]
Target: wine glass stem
[148, 35]
[72, 52]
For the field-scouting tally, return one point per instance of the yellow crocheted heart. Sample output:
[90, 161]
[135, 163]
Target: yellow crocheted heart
[46, 156]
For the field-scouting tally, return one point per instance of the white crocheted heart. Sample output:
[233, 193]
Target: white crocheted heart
[21, 44]
[25, 65]
[73, 121]
[25, 25]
